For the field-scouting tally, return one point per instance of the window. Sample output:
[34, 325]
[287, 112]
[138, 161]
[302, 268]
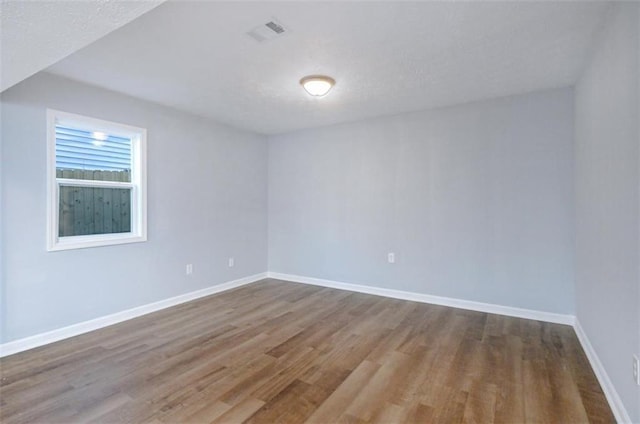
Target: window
[97, 182]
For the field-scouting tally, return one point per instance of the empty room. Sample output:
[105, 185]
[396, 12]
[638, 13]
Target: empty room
[319, 212]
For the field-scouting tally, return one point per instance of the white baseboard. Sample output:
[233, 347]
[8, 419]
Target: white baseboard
[83, 327]
[619, 411]
[436, 300]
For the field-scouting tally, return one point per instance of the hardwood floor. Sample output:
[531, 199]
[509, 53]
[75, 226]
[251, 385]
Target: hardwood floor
[283, 352]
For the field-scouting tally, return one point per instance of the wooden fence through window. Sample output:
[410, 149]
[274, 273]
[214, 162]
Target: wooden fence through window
[89, 210]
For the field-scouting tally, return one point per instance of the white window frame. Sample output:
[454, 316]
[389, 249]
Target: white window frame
[138, 184]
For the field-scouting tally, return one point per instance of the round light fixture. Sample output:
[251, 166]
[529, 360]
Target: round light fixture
[317, 85]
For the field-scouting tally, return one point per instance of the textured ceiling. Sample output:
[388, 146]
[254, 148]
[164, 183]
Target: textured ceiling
[387, 57]
[37, 34]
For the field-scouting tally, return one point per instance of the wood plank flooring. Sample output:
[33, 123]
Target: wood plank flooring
[290, 353]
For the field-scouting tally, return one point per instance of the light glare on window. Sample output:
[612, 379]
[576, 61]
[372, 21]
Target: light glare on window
[99, 137]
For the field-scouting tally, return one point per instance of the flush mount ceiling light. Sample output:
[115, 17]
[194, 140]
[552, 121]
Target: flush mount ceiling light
[317, 85]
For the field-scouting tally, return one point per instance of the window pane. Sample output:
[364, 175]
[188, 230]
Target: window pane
[89, 210]
[92, 155]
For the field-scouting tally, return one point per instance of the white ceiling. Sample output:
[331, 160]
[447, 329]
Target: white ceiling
[37, 34]
[387, 57]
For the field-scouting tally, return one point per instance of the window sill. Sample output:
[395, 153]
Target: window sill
[82, 242]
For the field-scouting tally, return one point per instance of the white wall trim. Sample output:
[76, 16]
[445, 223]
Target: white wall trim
[617, 407]
[84, 327]
[427, 298]
[37, 340]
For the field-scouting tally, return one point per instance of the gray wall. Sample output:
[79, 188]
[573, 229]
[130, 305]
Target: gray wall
[2, 279]
[607, 185]
[476, 201]
[207, 200]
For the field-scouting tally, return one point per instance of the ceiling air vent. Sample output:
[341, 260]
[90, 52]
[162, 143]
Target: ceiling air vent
[268, 31]
[275, 27]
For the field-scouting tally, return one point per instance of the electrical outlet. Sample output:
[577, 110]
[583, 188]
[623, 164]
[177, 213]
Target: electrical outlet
[232, 262]
[189, 269]
[636, 370]
[391, 257]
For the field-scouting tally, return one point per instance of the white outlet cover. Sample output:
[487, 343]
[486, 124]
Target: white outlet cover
[391, 257]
